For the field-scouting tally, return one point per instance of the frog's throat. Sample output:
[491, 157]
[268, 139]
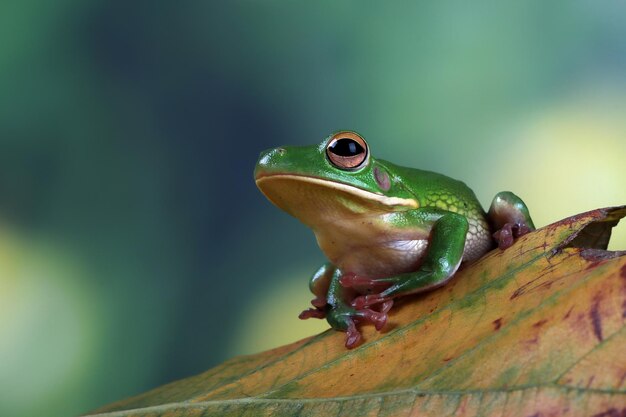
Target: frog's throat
[358, 192]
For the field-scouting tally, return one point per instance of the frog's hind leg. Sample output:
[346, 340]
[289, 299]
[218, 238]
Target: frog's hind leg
[509, 218]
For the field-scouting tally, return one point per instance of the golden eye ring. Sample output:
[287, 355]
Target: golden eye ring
[347, 150]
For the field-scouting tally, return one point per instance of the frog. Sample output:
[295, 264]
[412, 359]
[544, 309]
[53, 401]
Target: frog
[387, 231]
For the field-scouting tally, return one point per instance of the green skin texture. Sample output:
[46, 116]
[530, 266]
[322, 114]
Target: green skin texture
[446, 209]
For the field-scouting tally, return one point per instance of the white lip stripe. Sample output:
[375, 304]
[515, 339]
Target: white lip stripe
[389, 201]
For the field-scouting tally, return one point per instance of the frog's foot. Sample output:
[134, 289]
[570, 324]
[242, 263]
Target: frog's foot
[353, 336]
[344, 319]
[509, 216]
[509, 232]
[347, 319]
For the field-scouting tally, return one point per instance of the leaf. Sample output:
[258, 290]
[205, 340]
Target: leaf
[535, 330]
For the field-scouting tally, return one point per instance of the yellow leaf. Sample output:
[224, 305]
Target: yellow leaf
[535, 330]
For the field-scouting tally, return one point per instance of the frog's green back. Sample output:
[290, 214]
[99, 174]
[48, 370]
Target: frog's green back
[436, 190]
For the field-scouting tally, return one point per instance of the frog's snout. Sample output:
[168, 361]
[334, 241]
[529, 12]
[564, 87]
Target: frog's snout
[268, 159]
[270, 154]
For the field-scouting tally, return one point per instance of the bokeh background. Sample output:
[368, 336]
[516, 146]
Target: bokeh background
[134, 246]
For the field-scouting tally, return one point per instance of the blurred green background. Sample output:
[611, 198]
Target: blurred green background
[134, 246]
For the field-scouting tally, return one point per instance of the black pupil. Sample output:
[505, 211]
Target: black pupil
[346, 147]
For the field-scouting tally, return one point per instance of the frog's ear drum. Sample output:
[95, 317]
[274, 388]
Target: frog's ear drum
[347, 151]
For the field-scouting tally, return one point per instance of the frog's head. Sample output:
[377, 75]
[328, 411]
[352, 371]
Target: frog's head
[335, 179]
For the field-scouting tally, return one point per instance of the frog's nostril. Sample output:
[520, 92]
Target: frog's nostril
[281, 151]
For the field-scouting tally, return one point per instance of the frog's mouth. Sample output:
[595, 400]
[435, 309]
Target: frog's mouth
[314, 200]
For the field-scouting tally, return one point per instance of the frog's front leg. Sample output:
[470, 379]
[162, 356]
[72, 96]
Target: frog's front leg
[509, 218]
[444, 255]
[330, 302]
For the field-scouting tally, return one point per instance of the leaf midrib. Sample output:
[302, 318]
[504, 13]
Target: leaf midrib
[372, 395]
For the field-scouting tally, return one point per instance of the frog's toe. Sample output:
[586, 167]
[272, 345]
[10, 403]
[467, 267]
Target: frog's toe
[509, 232]
[504, 236]
[377, 318]
[319, 302]
[352, 280]
[319, 310]
[386, 306]
[347, 320]
[312, 313]
[364, 301]
[364, 284]
[353, 336]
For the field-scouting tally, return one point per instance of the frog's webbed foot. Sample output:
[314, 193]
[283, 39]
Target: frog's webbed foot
[346, 319]
[509, 217]
[319, 310]
[353, 336]
[509, 232]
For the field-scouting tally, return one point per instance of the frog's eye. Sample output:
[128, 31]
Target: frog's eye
[347, 150]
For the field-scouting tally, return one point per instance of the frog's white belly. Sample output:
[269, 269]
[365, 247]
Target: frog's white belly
[372, 250]
[384, 260]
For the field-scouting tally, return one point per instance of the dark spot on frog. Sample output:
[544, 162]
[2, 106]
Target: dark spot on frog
[624, 309]
[622, 271]
[540, 323]
[382, 179]
[447, 359]
[596, 320]
[497, 323]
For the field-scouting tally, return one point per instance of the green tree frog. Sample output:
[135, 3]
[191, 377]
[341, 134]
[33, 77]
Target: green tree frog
[386, 230]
